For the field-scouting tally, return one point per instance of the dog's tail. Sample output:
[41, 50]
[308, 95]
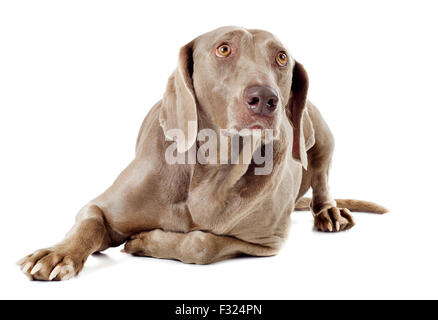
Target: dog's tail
[303, 204]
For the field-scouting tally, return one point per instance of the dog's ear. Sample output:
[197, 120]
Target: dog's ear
[295, 111]
[178, 109]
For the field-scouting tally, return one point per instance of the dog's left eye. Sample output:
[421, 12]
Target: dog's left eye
[281, 58]
[223, 50]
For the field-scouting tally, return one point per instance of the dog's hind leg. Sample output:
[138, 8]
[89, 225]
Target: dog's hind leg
[196, 247]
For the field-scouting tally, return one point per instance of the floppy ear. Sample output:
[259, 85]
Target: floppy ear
[178, 108]
[295, 111]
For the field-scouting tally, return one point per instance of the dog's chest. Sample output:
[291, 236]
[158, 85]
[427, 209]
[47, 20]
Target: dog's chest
[252, 207]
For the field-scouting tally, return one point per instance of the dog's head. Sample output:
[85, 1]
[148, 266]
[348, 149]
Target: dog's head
[235, 79]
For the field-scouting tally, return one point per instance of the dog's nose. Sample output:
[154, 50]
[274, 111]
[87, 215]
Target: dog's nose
[261, 100]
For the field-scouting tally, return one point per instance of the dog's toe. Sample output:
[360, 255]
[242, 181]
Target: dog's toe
[333, 220]
[49, 264]
[134, 246]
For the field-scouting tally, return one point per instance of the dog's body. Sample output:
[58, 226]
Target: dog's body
[202, 213]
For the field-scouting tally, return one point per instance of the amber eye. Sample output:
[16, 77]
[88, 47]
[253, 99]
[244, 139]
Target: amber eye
[281, 58]
[224, 50]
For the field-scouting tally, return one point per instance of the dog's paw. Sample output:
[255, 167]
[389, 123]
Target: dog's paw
[333, 219]
[50, 264]
[135, 245]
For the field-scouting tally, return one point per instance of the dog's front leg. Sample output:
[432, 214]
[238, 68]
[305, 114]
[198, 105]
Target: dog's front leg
[198, 247]
[66, 259]
[328, 217]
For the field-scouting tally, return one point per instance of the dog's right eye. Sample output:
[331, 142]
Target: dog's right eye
[281, 58]
[224, 50]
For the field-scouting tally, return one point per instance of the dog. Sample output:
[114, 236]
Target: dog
[227, 81]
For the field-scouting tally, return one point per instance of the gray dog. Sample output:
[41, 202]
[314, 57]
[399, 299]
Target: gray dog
[228, 79]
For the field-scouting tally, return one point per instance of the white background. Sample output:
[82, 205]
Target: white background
[78, 77]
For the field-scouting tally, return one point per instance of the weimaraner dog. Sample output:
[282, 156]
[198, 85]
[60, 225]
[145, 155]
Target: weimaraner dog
[228, 79]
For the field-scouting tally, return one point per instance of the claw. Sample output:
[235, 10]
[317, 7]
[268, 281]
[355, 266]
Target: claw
[329, 227]
[67, 276]
[36, 268]
[55, 272]
[70, 273]
[26, 267]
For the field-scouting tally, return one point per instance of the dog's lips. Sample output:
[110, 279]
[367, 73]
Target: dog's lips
[252, 126]
[247, 121]
[257, 123]
[243, 130]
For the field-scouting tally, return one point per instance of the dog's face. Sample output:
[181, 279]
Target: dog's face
[241, 78]
[234, 79]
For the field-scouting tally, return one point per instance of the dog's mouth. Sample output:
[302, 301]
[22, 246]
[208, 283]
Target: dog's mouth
[252, 124]
[244, 130]
[243, 123]
[256, 127]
